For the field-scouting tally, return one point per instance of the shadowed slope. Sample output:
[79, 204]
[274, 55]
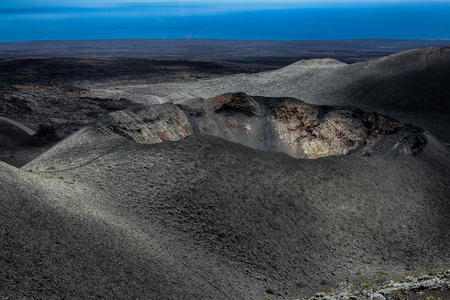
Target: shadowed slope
[410, 81]
[17, 147]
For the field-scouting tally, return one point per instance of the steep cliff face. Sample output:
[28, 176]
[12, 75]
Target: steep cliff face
[285, 125]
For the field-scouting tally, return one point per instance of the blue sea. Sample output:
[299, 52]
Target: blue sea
[405, 20]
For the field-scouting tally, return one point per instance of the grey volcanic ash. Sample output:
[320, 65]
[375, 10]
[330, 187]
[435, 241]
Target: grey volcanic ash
[227, 196]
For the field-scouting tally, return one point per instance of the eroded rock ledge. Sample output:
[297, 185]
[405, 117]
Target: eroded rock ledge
[285, 125]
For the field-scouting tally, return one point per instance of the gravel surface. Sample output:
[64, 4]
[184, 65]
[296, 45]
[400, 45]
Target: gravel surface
[99, 216]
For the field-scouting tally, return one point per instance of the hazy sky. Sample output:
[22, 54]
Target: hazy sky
[100, 3]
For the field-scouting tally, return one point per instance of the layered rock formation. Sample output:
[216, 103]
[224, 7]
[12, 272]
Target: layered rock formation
[284, 125]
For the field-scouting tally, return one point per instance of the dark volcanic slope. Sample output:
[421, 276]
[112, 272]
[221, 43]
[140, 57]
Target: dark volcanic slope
[101, 216]
[412, 85]
[11, 140]
[58, 241]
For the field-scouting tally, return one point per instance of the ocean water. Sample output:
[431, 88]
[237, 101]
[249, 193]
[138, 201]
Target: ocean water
[413, 20]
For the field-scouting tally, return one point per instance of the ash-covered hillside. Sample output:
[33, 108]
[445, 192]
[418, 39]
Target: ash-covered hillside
[233, 196]
[202, 217]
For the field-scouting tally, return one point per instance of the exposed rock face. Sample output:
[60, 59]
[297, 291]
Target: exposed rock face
[148, 124]
[285, 125]
[303, 134]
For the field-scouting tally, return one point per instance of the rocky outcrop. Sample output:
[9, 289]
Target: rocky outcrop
[432, 286]
[285, 125]
[302, 133]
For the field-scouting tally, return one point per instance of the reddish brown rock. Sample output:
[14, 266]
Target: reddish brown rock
[285, 125]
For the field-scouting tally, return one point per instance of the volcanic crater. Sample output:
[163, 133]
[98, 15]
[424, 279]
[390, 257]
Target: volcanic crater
[285, 125]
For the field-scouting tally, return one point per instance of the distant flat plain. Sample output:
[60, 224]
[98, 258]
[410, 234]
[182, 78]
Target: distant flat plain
[272, 53]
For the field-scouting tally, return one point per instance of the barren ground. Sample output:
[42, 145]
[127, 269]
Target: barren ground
[102, 215]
